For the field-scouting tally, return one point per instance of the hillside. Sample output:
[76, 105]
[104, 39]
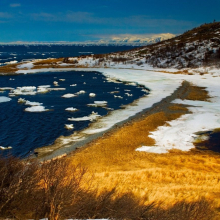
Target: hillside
[195, 48]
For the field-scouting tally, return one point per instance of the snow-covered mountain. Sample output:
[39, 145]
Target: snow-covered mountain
[136, 40]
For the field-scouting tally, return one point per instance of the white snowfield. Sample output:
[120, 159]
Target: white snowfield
[181, 132]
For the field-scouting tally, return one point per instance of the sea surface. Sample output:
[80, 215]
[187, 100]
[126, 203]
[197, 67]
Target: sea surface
[24, 131]
[13, 53]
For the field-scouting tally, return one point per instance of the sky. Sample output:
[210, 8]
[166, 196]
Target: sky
[92, 20]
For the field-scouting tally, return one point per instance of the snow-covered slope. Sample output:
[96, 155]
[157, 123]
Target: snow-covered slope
[195, 48]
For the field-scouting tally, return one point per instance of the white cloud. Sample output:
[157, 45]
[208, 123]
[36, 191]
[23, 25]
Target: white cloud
[14, 5]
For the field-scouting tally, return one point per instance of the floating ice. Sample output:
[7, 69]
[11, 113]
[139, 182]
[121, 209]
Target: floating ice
[43, 89]
[92, 117]
[36, 109]
[69, 126]
[25, 90]
[55, 83]
[21, 100]
[73, 85]
[4, 99]
[118, 96]
[62, 79]
[92, 94]
[71, 109]
[128, 94]
[69, 95]
[5, 148]
[56, 89]
[80, 92]
[11, 62]
[100, 103]
[6, 88]
[33, 103]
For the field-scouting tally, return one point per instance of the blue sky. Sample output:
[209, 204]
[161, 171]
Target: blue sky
[83, 20]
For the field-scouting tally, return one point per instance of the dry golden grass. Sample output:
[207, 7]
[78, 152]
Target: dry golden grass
[11, 68]
[198, 94]
[48, 61]
[171, 177]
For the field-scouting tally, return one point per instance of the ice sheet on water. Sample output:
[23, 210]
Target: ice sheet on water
[4, 99]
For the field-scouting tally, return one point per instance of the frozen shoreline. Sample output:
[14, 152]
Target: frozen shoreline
[161, 85]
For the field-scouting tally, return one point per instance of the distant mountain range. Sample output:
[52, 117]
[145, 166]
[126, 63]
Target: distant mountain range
[120, 40]
[136, 40]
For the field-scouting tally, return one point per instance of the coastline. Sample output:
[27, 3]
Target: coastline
[180, 92]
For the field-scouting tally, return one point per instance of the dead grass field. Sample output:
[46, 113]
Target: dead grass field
[166, 178]
[11, 68]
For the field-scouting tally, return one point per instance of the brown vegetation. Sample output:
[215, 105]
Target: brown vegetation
[57, 190]
[176, 176]
[11, 68]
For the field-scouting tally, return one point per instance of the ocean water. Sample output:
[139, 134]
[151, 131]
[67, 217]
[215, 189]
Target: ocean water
[10, 53]
[24, 131]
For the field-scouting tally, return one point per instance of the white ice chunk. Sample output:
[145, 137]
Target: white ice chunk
[100, 103]
[69, 95]
[92, 94]
[36, 109]
[69, 126]
[71, 109]
[4, 99]
[33, 103]
[5, 148]
[55, 83]
[92, 117]
[80, 92]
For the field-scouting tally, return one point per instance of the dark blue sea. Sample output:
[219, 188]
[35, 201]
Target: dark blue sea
[19, 53]
[24, 131]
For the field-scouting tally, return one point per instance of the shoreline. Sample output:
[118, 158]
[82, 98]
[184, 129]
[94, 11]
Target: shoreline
[180, 92]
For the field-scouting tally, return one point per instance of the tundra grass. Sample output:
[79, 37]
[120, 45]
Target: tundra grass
[169, 178]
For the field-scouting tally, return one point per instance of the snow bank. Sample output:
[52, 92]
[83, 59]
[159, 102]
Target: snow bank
[28, 65]
[92, 117]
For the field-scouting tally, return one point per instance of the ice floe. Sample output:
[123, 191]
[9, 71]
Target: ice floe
[36, 109]
[33, 103]
[4, 99]
[55, 83]
[21, 100]
[5, 148]
[118, 96]
[92, 117]
[128, 94]
[6, 88]
[92, 94]
[69, 95]
[80, 92]
[69, 126]
[25, 90]
[71, 109]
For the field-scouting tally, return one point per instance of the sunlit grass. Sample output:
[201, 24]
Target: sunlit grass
[171, 177]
